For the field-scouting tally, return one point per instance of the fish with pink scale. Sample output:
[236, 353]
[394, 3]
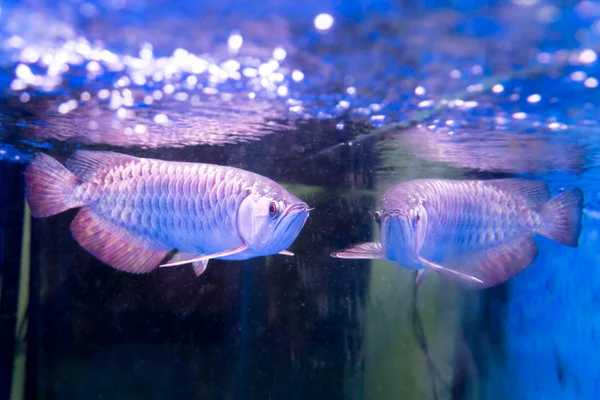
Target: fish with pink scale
[480, 233]
[135, 212]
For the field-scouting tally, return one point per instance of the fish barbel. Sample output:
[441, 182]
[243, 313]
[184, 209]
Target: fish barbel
[136, 211]
[479, 232]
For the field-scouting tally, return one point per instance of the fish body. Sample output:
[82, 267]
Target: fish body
[134, 211]
[480, 232]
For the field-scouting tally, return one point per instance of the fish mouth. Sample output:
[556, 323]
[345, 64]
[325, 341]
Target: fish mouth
[296, 208]
[395, 236]
[295, 218]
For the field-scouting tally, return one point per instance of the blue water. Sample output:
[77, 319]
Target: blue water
[390, 91]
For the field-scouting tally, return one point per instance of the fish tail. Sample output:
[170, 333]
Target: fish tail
[561, 217]
[48, 186]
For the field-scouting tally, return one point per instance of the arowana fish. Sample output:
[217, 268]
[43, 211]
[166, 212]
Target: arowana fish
[479, 232]
[136, 211]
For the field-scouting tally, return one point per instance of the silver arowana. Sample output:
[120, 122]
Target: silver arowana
[479, 232]
[135, 211]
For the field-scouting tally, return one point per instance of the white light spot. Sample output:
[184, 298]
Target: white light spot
[554, 125]
[24, 73]
[425, 103]
[251, 95]
[168, 88]
[30, 55]
[15, 41]
[140, 129]
[351, 91]
[24, 97]
[420, 91]
[103, 94]
[476, 69]
[534, 98]
[235, 41]
[123, 81]
[578, 76]
[250, 72]
[455, 74]
[85, 96]
[297, 75]
[146, 52]
[121, 113]
[157, 94]
[519, 115]
[17, 84]
[63, 108]
[591, 82]
[94, 67]
[282, 91]
[475, 88]
[148, 100]
[161, 119]
[181, 96]
[587, 56]
[323, 21]
[498, 88]
[191, 80]
[279, 53]
[543, 58]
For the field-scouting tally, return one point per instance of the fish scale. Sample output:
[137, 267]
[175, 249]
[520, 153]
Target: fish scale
[161, 215]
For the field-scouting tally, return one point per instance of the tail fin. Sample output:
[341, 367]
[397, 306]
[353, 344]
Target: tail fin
[48, 186]
[561, 217]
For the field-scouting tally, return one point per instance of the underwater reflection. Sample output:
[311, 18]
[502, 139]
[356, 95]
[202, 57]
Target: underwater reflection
[202, 120]
[483, 149]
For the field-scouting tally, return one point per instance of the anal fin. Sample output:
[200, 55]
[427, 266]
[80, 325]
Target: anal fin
[497, 264]
[114, 245]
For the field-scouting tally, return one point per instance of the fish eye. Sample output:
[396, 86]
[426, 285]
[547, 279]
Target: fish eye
[272, 209]
[377, 217]
[416, 219]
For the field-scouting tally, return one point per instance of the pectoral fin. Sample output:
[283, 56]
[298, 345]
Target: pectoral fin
[439, 268]
[208, 256]
[370, 250]
[199, 266]
[420, 276]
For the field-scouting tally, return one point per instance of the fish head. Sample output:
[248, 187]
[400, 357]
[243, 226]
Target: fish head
[269, 222]
[402, 233]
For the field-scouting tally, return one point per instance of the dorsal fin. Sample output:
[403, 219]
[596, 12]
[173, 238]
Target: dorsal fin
[534, 192]
[85, 164]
